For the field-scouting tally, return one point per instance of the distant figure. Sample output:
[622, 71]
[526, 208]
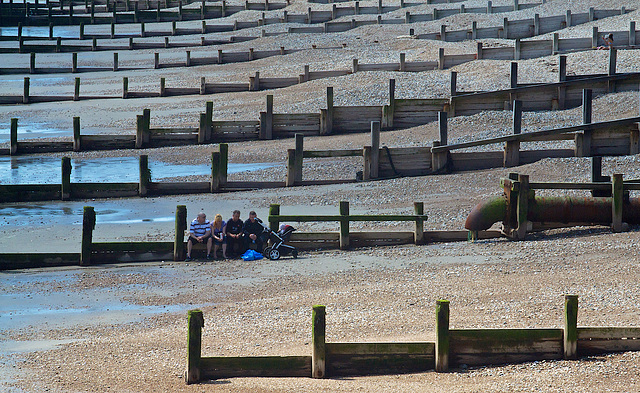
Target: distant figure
[608, 41]
[253, 232]
[233, 234]
[199, 232]
[219, 239]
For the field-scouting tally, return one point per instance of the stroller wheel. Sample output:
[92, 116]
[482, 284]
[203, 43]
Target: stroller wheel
[272, 253]
[294, 253]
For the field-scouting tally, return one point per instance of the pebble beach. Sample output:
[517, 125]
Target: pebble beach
[122, 328]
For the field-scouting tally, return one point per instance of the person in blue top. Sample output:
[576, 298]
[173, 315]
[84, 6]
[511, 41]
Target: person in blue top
[199, 232]
[219, 239]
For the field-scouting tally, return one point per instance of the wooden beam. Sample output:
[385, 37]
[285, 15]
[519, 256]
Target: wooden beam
[318, 333]
[570, 332]
[442, 336]
[88, 225]
[180, 227]
[344, 225]
[195, 323]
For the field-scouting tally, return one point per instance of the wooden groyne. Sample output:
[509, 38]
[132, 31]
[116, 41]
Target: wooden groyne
[609, 138]
[93, 253]
[452, 348]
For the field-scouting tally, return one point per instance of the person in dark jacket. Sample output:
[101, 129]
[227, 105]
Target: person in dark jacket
[253, 232]
[233, 233]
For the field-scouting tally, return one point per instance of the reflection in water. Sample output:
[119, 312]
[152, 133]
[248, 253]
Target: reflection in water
[42, 31]
[47, 170]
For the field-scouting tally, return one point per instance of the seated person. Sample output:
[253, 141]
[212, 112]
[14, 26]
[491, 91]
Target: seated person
[233, 234]
[608, 41]
[219, 240]
[253, 230]
[199, 232]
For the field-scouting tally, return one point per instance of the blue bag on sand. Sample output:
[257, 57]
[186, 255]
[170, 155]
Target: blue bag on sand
[251, 255]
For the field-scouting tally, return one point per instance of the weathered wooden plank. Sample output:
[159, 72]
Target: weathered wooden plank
[11, 261]
[332, 153]
[529, 156]
[257, 366]
[327, 74]
[164, 188]
[474, 161]
[607, 332]
[315, 236]
[390, 348]
[594, 347]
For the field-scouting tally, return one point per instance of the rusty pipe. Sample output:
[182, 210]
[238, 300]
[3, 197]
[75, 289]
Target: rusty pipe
[566, 210]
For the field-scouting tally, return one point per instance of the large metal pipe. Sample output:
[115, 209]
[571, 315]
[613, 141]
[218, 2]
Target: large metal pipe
[566, 210]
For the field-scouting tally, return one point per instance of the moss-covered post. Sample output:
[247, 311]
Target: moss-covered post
[202, 128]
[125, 87]
[74, 62]
[181, 226]
[209, 113]
[88, 225]
[344, 225]
[318, 356]
[14, 137]
[442, 336]
[224, 163]
[266, 123]
[145, 175]
[77, 139]
[366, 157]
[291, 168]
[274, 210]
[139, 131]
[195, 323]
[215, 171]
[418, 209]
[32, 63]
[66, 179]
[522, 206]
[617, 191]
[570, 327]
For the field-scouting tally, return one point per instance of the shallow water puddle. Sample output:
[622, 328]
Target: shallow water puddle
[47, 170]
[33, 131]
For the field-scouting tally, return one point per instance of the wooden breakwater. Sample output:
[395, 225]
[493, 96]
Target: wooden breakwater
[525, 49]
[613, 137]
[93, 253]
[37, 14]
[398, 114]
[451, 349]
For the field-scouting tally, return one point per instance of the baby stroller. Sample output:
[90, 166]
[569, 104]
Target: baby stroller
[278, 248]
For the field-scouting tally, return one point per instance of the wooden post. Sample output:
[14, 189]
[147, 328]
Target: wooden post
[82, 31]
[418, 209]
[344, 225]
[202, 128]
[115, 61]
[224, 162]
[612, 61]
[188, 61]
[632, 33]
[142, 29]
[180, 227]
[441, 58]
[489, 7]
[266, 127]
[442, 126]
[594, 37]
[77, 139]
[512, 148]
[139, 131]
[570, 332]
[66, 179]
[536, 24]
[274, 210]
[617, 192]
[299, 155]
[555, 44]
[215, 171]
[25, 94]
[562, 68]
[156, 60]
[442, 336]
[145, 175]
[514, 75]
[125, 87]
[366, 158]
[32, 63]
[474, 31]
[291, 168]
[195, 323]
[454, 83]
[522, 206]
[388, 111]
[516, 49]
[592, 14]
[162, 86]
[568, 19]
[76, 90]
[402, 62]
[328, 128]
[13, 149]
[318, 333]
[88, 225]
[583, 140]
[375, 149]
[254, 82]
[209, 113]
